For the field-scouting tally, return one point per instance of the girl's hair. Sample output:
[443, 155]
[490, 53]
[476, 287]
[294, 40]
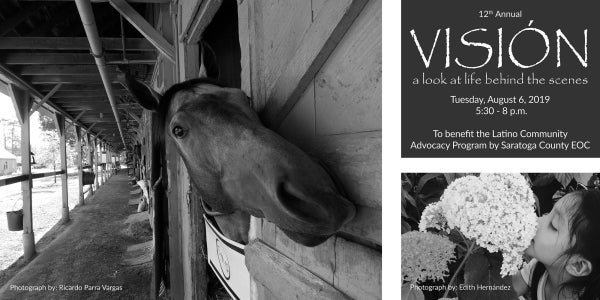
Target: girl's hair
[584, 236]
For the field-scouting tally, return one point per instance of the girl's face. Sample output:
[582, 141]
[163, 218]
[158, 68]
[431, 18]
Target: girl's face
[552, 237]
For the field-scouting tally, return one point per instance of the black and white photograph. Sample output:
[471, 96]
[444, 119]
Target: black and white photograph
[500, 235]
[198, 149]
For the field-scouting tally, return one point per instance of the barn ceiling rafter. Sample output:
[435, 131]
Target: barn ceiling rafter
[44, 49]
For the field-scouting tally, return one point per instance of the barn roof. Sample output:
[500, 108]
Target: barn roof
[4, 154]
[43, 45]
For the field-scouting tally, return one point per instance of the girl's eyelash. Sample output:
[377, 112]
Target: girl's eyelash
[552, 226]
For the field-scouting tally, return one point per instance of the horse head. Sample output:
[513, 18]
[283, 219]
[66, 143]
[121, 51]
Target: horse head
[237, 164]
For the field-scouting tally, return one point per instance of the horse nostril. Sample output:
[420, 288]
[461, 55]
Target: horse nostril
[306, 210]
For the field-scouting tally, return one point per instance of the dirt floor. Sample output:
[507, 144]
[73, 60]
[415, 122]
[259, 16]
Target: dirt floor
[82, 259]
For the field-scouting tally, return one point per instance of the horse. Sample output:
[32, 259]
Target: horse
[239, 167]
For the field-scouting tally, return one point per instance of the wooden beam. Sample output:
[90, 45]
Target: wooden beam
[151, 34]
[98, 120]
[60, 70]
[46, 98]
[13, 179]
[45, 174]
[136, 118]
[16, 19]
[72, 43]
[53, 79]
[90, 128]
[101, 1]
[319, 41]
[79, 115]
[3, 87]
[21, 58]
[21, 101]
[74, 87]
[86, 100]
[86, 94]
[14, 78]
[206, 13]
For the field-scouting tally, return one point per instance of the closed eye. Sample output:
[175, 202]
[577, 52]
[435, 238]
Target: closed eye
[552, 225]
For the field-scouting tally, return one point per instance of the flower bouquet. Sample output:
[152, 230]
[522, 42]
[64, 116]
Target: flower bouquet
[477, 216]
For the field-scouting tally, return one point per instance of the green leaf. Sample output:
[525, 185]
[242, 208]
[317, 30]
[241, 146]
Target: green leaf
[410, 294]
[426, 178]
[452, 176]
[405, 227]
[582, 178]
[406, 196]
[482, 280]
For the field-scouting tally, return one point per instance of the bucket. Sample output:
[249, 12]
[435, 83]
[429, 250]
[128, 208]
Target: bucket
[87, 177]
[15, 220]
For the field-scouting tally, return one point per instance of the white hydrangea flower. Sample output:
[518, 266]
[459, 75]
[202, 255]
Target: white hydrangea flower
[425, 256]
[497, 211]
[433, 217]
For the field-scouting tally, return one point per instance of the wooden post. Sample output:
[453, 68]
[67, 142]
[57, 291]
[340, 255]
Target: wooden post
[100, 161]
[90, 158]
[102, 154]
[79, 164]
[95, 154]
[110, 163]
[60, 125]
[22, 102]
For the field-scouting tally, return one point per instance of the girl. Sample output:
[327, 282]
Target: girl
[565, 251]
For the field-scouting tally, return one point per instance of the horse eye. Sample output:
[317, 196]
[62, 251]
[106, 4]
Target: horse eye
[178, 132]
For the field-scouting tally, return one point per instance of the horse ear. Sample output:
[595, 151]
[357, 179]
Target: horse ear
[141, 92]
[209, 67]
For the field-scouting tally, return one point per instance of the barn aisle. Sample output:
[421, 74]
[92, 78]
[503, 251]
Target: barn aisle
[85, 260]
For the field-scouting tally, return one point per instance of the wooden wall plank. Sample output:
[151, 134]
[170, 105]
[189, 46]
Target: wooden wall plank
[260, 292]
[269, 233]
[244, 37]
[320, 260]
[316, 7]
[355, 159]
[283, 277]
[175, 224]
[357, 270]
[317, 43]
[348, 87]
[255, 230]
[283, 25]
[366, 225]
[255, 16]
[300, 122]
